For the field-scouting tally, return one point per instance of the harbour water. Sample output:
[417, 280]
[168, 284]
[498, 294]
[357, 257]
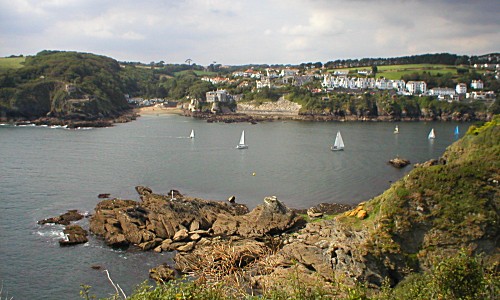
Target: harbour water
[47, 171]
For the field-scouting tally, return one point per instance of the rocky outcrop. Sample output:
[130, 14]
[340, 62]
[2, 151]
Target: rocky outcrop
[73, 235]
[398, 162]
[280, 107]
[162, 273]
[64, 219]
[175, 222]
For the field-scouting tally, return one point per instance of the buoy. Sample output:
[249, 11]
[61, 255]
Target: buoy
[253, 174]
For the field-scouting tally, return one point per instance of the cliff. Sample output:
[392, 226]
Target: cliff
[63, 85]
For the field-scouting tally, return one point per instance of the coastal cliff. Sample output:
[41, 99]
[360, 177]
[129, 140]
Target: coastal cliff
[61, 88]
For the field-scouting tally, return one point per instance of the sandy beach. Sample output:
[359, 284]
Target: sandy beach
[158, 110]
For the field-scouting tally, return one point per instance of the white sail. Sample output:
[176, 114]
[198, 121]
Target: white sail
[242, 144]
[396, 130]
[192, 134]
[339, 143]
[432, 135]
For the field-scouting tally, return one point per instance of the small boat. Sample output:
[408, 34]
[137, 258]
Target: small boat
[338, 145]
[191, 136]
[432, 135]
[242, 144]
[457, 132]
[396, 130]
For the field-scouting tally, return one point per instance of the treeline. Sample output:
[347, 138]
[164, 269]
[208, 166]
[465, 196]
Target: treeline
[439, 58]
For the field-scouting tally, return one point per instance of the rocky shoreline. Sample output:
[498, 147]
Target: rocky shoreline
[273, 116]
[191, 226]
[75, 122]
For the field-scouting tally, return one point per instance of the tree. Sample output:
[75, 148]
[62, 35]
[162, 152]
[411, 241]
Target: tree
[374, 71]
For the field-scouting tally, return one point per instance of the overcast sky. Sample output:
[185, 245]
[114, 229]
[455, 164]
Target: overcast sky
[236, 32]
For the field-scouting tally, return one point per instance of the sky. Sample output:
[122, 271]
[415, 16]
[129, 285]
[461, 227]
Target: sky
[238, 32]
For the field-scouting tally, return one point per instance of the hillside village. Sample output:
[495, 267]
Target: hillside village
[320, 81]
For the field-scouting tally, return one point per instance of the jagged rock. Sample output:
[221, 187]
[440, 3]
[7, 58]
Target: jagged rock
[186, 247]
[195, 225]
[143, 190]
[312, 213]
[181, 235]
[64, 219]
[103, 196]
[269, 218]
[116, 240]
[162, 273]
[399, 162]
[73, 234]
[150, 244]
[165, 245]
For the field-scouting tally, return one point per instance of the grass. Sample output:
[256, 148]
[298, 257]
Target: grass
[395, 72]
[197, 72]
[7, 63]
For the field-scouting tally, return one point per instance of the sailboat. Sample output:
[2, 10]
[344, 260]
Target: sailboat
[396, 130]
[457, 132]
[432, 135]
[242, 144]
[338, 145]
[191, 136]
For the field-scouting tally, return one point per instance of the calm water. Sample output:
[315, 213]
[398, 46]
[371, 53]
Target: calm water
[45, 171]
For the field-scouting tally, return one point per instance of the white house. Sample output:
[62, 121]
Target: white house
[461, 88]
[416, 87]
[477, 84]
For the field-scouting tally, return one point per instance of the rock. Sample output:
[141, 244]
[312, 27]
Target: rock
[117, 240]
[181, 235]
[187, 247]
[102, 196]
[165, 245]
[399, 162]
[73, 234]
[195, 225]
[64, 219]
[143, 190]
[96, 267]
[312, 213]
[270, 218]
[361, 214]
[162, 273]
[150, 244]
[195, 237]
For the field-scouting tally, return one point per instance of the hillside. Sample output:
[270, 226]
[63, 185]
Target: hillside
[63, 85]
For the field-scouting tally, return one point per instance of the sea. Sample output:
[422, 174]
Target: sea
[45, 171]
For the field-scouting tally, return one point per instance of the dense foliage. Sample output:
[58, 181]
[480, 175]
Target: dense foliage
[62, 83]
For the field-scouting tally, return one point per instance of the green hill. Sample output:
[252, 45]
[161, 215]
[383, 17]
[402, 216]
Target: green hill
[64, 85]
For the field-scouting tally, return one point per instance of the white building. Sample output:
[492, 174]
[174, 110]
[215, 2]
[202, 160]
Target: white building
[461, 88]
[477, 85]
[416, 87]
[441, 91]
[218, 96]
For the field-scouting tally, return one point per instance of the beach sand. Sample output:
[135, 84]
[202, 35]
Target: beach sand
[158, 110]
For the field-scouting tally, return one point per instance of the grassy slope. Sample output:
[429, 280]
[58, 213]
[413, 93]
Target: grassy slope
[436, 210]
[7, 63]
[396, 71]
